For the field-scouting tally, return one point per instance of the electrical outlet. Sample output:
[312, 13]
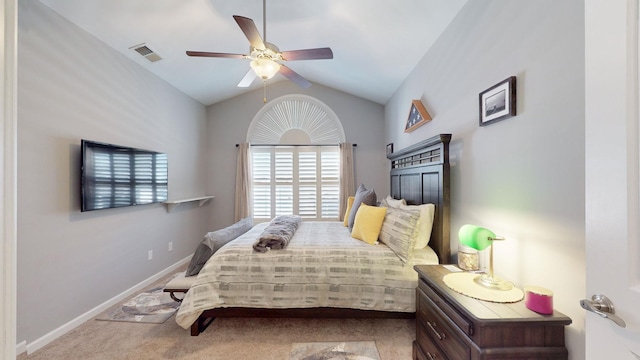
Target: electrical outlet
[150, 256]
[170, 245]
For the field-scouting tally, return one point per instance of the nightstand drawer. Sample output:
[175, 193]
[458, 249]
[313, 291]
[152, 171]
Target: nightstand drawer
[434, 323]
[427, 349]
[461, 321]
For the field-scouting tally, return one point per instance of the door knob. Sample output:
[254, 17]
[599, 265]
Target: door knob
[602, 306]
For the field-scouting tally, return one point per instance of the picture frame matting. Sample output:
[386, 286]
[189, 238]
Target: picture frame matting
[498, 102]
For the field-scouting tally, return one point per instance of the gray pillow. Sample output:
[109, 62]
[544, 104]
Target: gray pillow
[363, 196]
[215, 240]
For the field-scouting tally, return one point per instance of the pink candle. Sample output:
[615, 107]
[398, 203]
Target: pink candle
[538, 299]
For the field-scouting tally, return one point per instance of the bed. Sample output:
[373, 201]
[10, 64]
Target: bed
[323, 271]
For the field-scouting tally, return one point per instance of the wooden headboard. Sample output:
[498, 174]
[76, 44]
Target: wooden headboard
[420, 175]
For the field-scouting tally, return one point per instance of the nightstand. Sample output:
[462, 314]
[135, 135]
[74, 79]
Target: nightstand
[450, 325]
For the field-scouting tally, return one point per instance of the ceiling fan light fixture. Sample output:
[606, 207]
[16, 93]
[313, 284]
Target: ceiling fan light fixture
[265, 57]
[265, 68]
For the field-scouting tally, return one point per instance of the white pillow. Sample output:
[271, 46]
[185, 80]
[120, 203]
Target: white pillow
[425, 223]
[391, 202]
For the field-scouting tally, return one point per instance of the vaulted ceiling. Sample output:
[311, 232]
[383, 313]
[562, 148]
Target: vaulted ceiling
[376, 43]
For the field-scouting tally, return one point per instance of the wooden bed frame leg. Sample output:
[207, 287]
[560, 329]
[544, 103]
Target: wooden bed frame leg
[195, 328]
[200, 325]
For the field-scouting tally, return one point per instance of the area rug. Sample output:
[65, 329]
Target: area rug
[354, 350]
[150, 306]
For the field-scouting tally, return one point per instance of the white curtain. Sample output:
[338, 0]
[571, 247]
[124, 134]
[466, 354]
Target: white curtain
[347, 181]
[243, 183]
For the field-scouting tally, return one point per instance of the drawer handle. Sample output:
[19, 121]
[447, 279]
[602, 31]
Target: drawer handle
[431, 356]
[432, 326]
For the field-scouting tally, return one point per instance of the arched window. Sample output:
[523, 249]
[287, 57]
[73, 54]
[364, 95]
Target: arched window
[296, 159]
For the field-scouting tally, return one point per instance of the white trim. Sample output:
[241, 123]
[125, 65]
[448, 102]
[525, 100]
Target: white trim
[21, 348]
[8, 183]
[633, 135]
[56, 333]
[285, 121]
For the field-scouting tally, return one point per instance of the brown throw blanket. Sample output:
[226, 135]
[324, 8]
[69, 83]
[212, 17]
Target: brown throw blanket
[278, 233]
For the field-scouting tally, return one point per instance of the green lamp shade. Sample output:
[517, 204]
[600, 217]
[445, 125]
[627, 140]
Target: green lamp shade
[475, 237]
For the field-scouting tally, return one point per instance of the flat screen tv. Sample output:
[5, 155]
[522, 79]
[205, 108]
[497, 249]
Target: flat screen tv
[116, 176]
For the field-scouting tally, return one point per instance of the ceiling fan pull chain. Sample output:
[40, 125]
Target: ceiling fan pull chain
[264, 82]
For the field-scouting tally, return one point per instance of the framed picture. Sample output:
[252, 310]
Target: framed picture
[389, 149]
[418, 116]
[498, 102]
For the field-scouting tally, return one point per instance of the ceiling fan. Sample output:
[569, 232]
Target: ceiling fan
[266, 58]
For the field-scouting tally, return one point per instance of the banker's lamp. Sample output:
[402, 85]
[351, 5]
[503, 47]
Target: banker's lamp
[480, 238]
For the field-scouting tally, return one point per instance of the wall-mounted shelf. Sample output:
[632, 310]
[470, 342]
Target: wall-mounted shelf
[174, 203]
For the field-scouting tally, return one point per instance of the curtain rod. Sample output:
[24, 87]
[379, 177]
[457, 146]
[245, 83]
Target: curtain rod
[293, 145]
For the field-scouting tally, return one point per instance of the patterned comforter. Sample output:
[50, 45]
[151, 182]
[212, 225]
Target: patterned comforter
[322, 266]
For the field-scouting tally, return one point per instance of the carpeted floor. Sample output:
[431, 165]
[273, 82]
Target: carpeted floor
[225, 339]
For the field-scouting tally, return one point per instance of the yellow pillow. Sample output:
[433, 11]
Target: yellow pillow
[346, 214]
[368, 223]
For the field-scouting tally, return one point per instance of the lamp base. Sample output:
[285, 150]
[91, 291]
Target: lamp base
[463, 283]
[492, 282]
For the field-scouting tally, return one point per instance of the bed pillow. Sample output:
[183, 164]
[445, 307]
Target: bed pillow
[391, 202]
[363, 196]
[425, 223]
[346, 213]
[368, 223]
[399, 231]
[213, 241]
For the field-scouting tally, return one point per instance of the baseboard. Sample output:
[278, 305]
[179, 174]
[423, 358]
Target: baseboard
[21, 347]
[51, 336]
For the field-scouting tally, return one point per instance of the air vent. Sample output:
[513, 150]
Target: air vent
[145, 51]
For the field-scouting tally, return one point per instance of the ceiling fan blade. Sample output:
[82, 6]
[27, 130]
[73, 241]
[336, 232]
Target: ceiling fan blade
[250, 31]
[294, 76]
[213, 54]
[248, 79]
[308, 54]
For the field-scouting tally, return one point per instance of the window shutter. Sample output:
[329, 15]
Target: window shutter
[330, 174]
[261, 163]
[304, 179]
[307, 180]
[301, 180]
[284, 182]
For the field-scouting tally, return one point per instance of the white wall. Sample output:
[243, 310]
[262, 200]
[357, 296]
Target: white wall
[72, 86]
[362, 120]
[522, 177]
